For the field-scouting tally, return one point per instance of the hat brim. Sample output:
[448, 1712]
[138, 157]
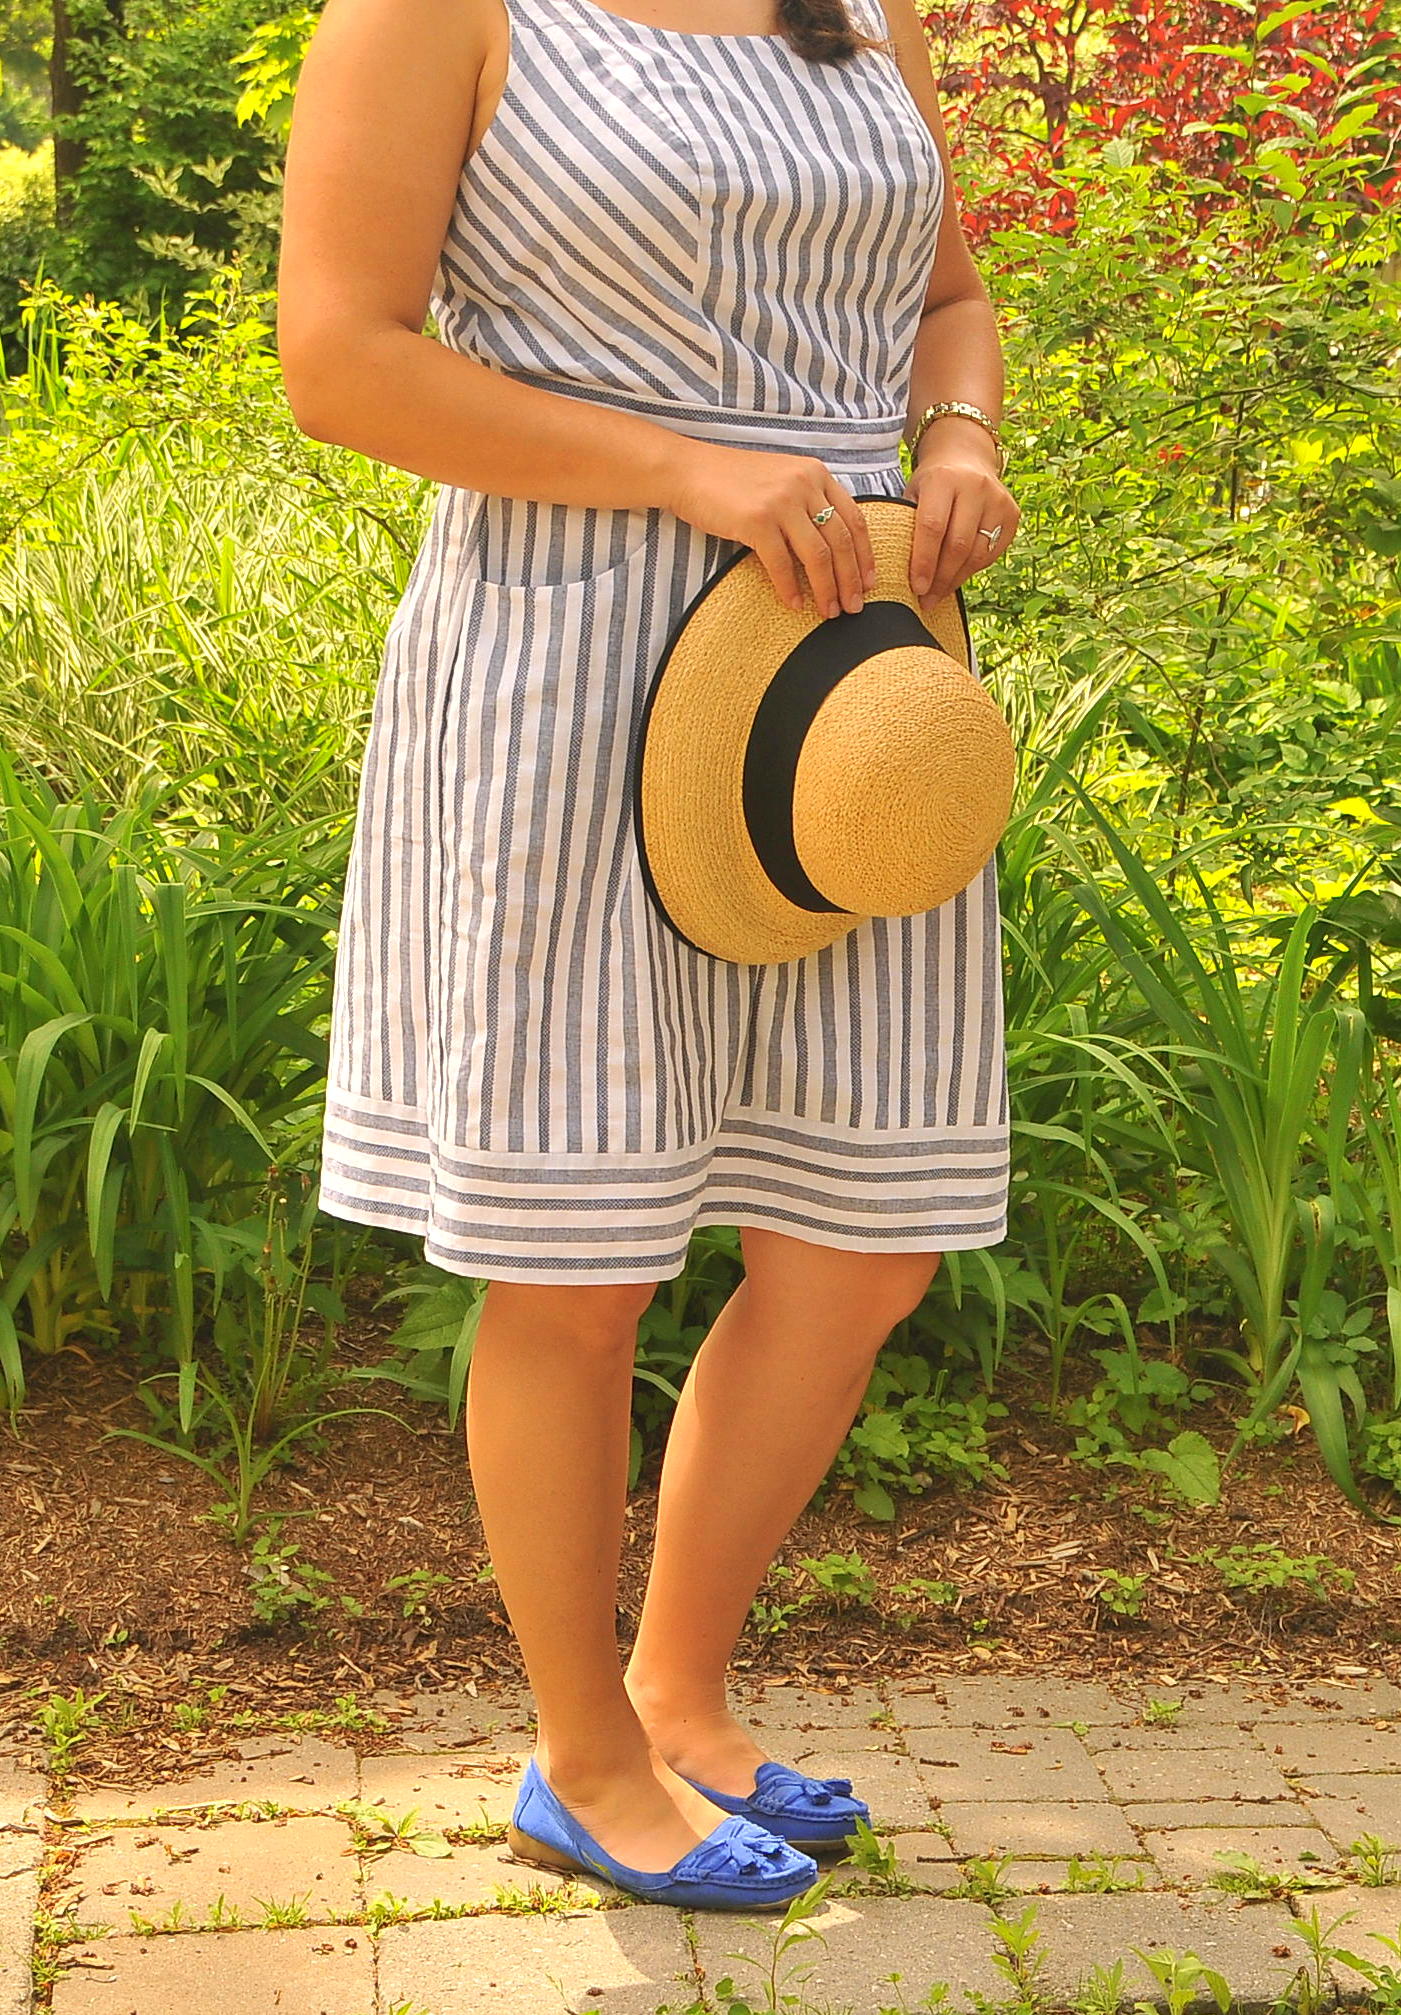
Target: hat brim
[698, 858]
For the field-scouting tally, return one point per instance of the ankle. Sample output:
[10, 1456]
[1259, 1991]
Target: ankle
[656, 1701]
[586, 1775]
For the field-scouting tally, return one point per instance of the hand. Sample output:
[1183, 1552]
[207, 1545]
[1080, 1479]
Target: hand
[955, 492]
[766, 501]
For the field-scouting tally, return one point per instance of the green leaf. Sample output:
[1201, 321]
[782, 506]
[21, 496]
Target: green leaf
[1191, 1466]
[874, 1499]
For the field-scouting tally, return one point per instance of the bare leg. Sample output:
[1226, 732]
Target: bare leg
[765, 1406]
[548, 1400]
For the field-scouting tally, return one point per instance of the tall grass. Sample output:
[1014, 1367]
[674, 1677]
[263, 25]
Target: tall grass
[159, 1045]
[189, 586]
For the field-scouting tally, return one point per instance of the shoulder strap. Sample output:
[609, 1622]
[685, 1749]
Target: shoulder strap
[870, 16]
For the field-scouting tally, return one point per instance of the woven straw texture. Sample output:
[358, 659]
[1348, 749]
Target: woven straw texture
[903, 788]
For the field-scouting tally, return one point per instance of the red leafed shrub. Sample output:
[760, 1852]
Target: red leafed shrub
[1033, 89]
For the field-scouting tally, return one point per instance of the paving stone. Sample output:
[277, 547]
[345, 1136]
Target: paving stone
[963, 1764]
[926, 1872]
[1167, 1817]
[629, 1961]
[926, 1858]
[1258, 1946]
[152, 1869]
[924, 1845]
[1347, 1806]
[321, 1972]
[1036, 1828]
[1343, 1699]
[1339, 1747]
[1206, 1735]
[20, 1859]
[865, 1939]
[1191, 1774]
[851, 1743]
[898, 1793]
[1038, 1877]
[983, 1700]
[22, 1789]
[1205, 1700]
[469, 1875]
[480, 1790]
[456, 1719]
[1249, 1702]
[1190, 1853]
[302, 1772]
[806, 1707]
[1370, 1915]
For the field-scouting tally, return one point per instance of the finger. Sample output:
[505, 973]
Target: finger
[861, 572]
[814, 549]
[845, 589]
[963, 550]
[931, 517]
[776, 555]
[846, 571]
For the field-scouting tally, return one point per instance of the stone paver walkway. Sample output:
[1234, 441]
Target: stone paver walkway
[305, 1881]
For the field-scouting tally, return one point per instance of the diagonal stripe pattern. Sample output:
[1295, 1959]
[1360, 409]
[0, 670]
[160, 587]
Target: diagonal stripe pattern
[527, 1069]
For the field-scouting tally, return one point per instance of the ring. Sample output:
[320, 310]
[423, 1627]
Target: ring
[992, 536]
[821, 517]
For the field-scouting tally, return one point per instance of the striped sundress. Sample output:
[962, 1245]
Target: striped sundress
[529, 1069]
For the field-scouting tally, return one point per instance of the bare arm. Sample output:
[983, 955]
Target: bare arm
[381, 126]
[958, 355]
[386, 112]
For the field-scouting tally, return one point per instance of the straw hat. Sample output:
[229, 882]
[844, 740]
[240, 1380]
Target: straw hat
[795, 774]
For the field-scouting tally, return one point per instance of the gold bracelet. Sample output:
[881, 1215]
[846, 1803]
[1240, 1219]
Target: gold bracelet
[969, 412]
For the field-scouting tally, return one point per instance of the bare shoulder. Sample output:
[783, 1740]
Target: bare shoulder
[400, 73]
[389, 102]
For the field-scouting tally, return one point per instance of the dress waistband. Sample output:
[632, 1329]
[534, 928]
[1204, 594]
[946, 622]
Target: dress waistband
[853, 442]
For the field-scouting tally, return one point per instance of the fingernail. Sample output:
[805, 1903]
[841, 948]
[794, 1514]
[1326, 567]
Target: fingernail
[869, 580]
[920, 583]
[796, 602]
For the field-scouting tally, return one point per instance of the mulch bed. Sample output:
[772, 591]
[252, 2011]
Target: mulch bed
[110, 1578]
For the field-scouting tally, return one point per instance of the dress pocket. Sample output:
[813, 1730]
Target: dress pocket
[518, 544]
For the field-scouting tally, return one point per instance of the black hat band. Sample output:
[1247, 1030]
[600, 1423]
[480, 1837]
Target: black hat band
[785, 712]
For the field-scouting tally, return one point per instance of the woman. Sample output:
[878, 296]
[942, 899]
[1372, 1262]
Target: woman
[694, 276]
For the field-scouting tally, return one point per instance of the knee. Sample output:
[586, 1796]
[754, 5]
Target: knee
[598, 1317]
[854, 1299]
[896, 1285]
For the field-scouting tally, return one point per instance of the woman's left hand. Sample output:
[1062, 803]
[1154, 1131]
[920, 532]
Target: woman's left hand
[956, 493]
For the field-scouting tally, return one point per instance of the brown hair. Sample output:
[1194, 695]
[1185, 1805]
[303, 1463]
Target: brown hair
[823, 30]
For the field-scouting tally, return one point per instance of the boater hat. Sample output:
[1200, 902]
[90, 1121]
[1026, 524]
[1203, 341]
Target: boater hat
[795, 774]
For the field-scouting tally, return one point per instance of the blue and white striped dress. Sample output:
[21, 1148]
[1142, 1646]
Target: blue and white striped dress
[528, 1068]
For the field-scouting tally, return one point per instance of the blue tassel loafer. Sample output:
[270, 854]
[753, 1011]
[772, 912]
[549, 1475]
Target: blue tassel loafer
[811, 1813]
[739, 1865]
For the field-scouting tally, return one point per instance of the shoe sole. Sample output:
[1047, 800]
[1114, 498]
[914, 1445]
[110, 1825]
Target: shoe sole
[539, 1854]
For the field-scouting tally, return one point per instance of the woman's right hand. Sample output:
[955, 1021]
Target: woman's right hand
[766, 501]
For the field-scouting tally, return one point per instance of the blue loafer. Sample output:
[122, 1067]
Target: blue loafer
[808, 1812]
[739, 1865]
